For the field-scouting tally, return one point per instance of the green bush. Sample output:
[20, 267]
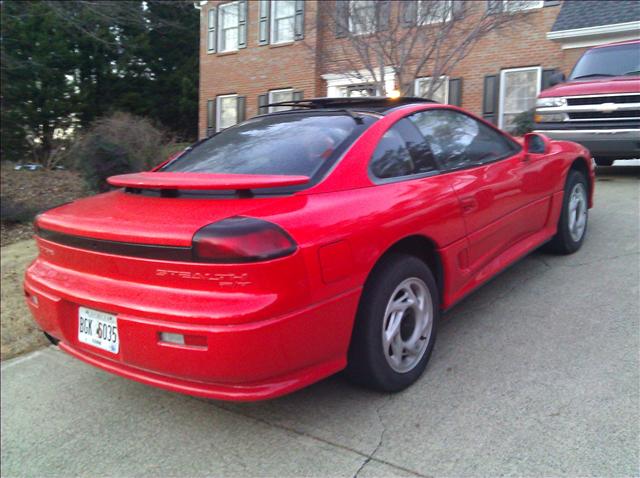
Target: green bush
[523, 123]
[117, 144]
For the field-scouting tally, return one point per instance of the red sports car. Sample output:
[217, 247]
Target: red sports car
[300, 243]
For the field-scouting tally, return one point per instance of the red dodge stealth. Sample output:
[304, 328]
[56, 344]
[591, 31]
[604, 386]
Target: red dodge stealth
[299, 243]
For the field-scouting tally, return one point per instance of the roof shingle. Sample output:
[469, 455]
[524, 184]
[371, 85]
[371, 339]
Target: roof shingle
[591, 13]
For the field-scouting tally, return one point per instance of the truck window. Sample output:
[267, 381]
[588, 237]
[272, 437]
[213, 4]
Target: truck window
[615, 60]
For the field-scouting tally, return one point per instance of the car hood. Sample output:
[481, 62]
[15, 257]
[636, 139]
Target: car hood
[142, 219]
[600, 86]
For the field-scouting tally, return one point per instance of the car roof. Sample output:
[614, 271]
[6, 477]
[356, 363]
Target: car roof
[625, 42]
[377, 104]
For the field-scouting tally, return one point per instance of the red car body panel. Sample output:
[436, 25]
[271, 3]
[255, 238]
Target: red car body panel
[268, 328]
[602, 86]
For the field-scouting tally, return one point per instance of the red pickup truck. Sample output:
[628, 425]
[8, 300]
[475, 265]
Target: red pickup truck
[599, 105]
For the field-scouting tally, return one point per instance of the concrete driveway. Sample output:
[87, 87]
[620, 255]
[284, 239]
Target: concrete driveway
[537, 373]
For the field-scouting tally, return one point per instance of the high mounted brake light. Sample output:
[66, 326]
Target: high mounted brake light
[241, 239]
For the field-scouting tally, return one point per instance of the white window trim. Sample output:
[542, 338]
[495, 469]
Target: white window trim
[272, 22]
[370, 28]
[431, 22]
[220, 29]
[501, 93]
[219, 109]
[531, 5]
[270, 96]
[445, 84]
[337, 80]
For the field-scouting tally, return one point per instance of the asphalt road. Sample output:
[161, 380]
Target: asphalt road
[537, 373]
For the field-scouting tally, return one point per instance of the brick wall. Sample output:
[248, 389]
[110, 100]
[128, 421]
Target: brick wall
[521, 46]
[256, 69]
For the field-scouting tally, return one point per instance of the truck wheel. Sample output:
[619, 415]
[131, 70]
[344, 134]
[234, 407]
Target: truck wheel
[395, 327]
[572, 225]
[604, 162]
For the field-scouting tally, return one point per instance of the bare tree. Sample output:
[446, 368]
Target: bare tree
[410, 38]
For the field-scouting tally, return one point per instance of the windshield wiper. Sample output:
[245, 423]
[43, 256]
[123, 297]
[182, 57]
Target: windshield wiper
[591, 75]
[632, 72]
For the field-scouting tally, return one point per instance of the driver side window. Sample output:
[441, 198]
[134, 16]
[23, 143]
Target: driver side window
[459, 141]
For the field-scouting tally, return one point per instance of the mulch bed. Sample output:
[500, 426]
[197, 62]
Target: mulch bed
[26, 193]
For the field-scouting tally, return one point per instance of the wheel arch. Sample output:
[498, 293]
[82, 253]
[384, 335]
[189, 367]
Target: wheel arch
[581, 165]
[422, 247]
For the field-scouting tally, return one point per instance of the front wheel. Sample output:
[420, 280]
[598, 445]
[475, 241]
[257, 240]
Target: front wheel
[395, 327]
[572, 226]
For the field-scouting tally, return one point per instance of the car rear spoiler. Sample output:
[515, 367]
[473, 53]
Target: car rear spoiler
[203, 181]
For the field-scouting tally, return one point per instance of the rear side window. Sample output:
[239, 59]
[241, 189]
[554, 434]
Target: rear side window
[459, 141]
[289, 144]
[402, 151]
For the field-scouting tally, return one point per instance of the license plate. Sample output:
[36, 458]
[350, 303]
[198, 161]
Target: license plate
[98, 329]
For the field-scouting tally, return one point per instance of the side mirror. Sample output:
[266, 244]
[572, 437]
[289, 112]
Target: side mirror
[556, 78]
[536, 143]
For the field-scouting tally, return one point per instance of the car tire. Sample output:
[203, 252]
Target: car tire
[572, 225]
[51, 339]
[604, 162]
[400, 301]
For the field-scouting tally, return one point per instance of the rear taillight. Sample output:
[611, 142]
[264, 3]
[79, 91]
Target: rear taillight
[241, 239]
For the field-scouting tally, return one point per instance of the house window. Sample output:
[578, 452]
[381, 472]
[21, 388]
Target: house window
[226, 111]
[440, 94]
[519, 88]
[228, 20]
[277, 96]
[513, 5]
[357, 91]
[283, 13]
[362, 16]
[434, 11]
[518, 5]
[359, 83]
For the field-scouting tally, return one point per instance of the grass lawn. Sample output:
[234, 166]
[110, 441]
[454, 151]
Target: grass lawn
[18, 331]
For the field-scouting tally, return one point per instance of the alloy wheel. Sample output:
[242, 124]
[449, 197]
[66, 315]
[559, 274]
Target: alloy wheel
[577, 212]
[407, 325]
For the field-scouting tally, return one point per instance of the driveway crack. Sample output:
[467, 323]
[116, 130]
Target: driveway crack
[370, 457]
[367, 457]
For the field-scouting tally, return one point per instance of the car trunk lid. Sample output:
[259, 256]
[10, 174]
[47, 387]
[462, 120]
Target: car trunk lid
[136, 218]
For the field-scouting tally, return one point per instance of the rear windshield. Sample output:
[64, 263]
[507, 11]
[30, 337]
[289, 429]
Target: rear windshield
[287, 144]
[618, 60]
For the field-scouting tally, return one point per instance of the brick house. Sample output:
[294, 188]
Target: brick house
[259, 51]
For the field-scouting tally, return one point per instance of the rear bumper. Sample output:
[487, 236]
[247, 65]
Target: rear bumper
[602, 143]
[247, 361]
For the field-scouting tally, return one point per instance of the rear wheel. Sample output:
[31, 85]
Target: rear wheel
[604, 162]
[396, 324]
[572, 225]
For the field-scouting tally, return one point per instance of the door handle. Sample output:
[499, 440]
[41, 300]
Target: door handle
[469, 204]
